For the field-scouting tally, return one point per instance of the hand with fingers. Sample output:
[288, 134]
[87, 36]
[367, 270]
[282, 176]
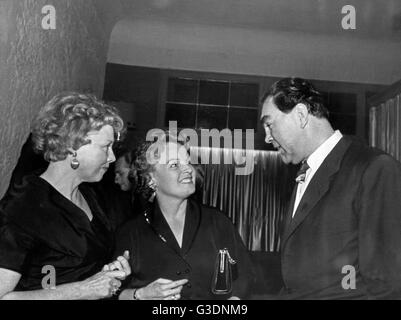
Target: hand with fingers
[121, 263]
[103, 284]
[161, 289]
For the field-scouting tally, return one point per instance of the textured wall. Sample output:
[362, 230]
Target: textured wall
[35, 64]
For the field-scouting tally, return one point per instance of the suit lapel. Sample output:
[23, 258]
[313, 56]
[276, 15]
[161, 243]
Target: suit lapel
[317, 188]
[288, 216]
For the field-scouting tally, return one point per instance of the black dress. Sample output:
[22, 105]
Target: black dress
[42, 227]
[155, 253]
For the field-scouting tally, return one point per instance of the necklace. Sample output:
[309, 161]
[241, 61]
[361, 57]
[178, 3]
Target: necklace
[146, 214]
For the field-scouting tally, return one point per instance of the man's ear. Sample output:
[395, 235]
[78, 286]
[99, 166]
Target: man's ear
[302, 114]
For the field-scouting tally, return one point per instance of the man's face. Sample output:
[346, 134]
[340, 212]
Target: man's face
[283, 130]
[121, 174]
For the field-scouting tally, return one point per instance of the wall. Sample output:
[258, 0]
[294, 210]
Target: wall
[35, 64]
[139, 86]
[218, 48]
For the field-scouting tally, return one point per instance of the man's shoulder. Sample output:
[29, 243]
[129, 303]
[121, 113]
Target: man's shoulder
[363, 160]
[361, 153]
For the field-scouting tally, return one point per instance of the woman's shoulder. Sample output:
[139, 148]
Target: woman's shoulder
[130, 225]
[28, 205]
[27, 195]
[216, 215]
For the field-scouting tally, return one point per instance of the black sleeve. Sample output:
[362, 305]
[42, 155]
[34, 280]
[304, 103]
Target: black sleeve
[15, 245]
[379, 238]
[125, 241]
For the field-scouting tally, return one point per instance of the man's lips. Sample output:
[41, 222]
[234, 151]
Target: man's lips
[280, 150]
[276, 146]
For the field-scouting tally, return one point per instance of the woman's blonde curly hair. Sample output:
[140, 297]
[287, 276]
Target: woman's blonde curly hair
[64, 122]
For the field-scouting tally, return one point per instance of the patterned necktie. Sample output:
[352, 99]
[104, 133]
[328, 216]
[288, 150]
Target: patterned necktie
[301, 174]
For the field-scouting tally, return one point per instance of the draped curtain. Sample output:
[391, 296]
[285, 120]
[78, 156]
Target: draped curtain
[255, 202]
[385, 126]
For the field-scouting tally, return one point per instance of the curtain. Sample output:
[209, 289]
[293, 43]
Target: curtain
[385, 126]
[255, 202]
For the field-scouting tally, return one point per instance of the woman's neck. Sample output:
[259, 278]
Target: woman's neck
[172, 208]
[61, 178]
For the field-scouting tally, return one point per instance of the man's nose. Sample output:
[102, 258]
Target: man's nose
[269, 138]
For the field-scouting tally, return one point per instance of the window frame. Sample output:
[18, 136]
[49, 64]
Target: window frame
[208, 76]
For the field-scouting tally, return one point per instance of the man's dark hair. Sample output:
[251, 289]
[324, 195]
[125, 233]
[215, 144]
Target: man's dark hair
[288, 92]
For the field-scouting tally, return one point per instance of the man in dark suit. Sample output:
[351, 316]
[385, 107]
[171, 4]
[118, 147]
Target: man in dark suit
[341, 237]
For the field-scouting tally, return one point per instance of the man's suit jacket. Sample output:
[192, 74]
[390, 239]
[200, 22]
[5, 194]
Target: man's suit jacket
[349, 215]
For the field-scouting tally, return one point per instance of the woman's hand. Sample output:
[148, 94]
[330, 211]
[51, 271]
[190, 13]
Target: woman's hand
[121, 263]
[103, 284]
[161, 289]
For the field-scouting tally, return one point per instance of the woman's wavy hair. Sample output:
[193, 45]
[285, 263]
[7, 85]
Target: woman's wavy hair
[65, 121]
[288, 92]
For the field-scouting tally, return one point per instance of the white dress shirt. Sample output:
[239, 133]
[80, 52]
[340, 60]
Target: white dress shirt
[314, 161]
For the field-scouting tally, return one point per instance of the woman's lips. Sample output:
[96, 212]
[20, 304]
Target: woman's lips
[186, 180]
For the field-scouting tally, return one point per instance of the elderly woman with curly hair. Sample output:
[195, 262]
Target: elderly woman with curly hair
[56, 241]
[175, 243]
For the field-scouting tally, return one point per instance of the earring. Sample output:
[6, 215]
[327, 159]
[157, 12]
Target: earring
[74, 162]
[153, 187]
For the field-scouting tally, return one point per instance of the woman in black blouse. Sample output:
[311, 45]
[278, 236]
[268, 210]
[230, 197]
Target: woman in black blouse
[55, 235]
[174, 244]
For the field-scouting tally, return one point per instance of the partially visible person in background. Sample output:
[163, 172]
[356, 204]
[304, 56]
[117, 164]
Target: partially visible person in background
[53, 219]
[119, 197]
[122, 170]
